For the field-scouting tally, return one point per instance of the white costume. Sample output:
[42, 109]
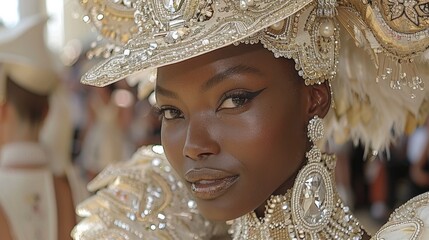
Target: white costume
[408, 222]
[27, 195]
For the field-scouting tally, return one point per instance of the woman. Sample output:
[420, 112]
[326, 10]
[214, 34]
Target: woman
[240, 126]
[240, 99]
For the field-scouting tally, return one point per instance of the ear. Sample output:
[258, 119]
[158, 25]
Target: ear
[319, 99]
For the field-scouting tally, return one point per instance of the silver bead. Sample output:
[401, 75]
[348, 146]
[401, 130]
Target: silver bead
[250, 2]
[243, 5]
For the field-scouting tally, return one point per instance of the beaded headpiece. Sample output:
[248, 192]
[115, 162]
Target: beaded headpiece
[147, 34]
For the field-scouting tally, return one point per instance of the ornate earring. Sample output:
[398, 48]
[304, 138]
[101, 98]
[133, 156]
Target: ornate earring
[313, 193]
[311, 210]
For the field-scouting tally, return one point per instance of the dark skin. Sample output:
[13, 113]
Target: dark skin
[240, 111]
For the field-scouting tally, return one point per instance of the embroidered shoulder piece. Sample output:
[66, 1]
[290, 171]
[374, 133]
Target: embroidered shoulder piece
[141, 199]
[408, 222]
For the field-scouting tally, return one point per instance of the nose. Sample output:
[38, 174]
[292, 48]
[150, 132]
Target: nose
[199, 143]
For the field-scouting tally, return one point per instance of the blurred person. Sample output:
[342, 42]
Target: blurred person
[146, 127]
[386, 173]
[418, 155]
[397, 170]
[38, 187]
[375, 171]
[78, 95]
[105, 140]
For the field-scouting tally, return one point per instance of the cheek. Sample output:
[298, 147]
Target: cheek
[270, 143]
[172, 139]
[266, 131]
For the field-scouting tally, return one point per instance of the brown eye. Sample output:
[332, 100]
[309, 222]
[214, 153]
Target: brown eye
[237, 98]
[233, 102]
[171, 113]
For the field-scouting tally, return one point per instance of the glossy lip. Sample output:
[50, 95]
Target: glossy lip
[209, 183]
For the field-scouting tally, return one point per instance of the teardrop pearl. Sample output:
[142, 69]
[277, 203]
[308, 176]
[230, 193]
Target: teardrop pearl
[326, 28]
[278, 25]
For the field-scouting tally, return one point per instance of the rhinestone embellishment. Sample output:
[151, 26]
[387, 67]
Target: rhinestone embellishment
[173, 6]
[313, 198]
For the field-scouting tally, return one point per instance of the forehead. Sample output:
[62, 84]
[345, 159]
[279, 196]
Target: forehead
[255, 56]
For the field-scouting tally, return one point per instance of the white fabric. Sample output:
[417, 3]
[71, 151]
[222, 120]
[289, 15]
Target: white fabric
[423, 214]
[57, 131]
[27, 195]
[26, 58]
[401, 232]
[25, 44]
[407, 230]
[417, 144]
[405, 225]
[32, 78]
[23, 153]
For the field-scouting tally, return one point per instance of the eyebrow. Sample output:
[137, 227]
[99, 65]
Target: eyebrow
[239, 69]
[215, 80]
[165, 92]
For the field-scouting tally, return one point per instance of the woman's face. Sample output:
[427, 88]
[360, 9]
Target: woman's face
[234, 127]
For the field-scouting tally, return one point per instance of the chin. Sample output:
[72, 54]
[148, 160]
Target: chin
[217, 214]
[220, 209]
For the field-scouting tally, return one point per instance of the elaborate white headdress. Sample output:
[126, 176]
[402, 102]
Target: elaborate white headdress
[24, 57]
[378, 88]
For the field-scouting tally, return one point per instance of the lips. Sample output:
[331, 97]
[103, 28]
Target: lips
[209, 183]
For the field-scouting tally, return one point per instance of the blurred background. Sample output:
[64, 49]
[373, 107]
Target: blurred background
[111, 117]
[116, 120]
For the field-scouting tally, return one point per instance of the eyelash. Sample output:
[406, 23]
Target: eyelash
[164, 109]
[245, 96]
[242, 95]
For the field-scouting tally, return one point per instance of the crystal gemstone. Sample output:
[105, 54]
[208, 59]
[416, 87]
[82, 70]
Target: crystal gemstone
[173, 6]
[313, 198]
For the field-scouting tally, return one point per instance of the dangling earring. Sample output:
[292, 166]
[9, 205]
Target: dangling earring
[312, 210]
[313, 193]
